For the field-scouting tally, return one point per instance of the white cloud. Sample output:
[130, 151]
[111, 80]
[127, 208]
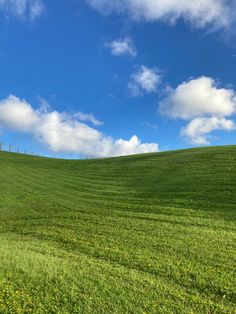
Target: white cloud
[65, 133]
[198, 129]
[23, 9]
[205, 104]
[121, 47]
[88, 118]
[200, 13]
[199, 97]
[17, 114]
[144, 80]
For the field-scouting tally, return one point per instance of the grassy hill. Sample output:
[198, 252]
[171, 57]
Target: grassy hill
[153, 233]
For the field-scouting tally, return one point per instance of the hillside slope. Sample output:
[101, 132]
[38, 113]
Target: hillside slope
[151, 233]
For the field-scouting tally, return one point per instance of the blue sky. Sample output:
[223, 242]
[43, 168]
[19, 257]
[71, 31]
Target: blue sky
[104, 78]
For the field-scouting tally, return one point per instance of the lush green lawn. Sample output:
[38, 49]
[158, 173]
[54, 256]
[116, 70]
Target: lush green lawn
[154, 233]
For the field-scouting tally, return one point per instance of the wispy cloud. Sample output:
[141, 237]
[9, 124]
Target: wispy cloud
[64, 133]
[121, 47]
[204, 13]
[88, 118]
[150, 125]
[23, 9]
[144, 80]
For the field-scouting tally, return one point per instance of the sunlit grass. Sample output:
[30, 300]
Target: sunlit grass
[152, 233]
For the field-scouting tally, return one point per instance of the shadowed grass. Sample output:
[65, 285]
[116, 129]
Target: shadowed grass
[151, 233]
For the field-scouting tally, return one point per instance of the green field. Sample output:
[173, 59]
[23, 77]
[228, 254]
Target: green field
[153, 233]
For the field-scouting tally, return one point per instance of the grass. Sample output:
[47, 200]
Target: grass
[151, 233]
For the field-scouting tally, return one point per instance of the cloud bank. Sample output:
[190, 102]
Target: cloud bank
[144, 80]
[121, 47]
[64, 133]
[204, 104]
[23, 9]
[200, 13]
